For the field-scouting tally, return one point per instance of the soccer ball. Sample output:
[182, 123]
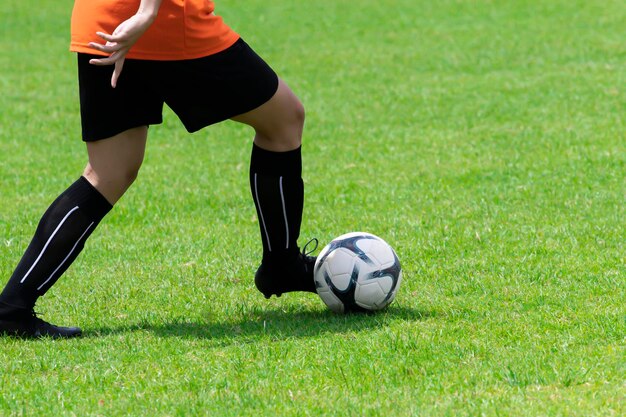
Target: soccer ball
[357, 272]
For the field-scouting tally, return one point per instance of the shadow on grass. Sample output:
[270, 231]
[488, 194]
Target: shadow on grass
[272, 324]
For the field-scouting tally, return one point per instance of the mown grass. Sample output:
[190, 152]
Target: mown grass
[484, 140]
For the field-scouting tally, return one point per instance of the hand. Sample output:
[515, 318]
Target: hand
[119, 43]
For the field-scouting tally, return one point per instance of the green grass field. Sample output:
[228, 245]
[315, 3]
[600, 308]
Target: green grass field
[483, 139]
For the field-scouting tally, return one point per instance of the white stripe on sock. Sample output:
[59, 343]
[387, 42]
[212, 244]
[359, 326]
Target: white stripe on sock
[47, 243]
[68, 255]
[256, 194]
[282, 197]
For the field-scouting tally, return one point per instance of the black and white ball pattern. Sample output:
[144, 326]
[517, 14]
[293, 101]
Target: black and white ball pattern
[357, 272]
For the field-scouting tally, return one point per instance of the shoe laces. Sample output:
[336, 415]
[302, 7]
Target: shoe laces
[309, 261]
[36, 319]
[306, 253]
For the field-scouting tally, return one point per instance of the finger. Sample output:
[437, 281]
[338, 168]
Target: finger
[116, 37]
[108, 48]
[109, 60]
[106, 36]
[119, 64]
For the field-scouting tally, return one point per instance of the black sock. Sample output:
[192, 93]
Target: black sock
[58, 240]
[278, 193]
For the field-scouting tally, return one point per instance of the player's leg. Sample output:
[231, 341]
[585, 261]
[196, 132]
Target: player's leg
[278, 192]
[64, 228]
[114, 125]
[237, 84]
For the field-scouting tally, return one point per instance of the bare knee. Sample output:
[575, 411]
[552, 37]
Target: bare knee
[298, 113]
[112, 184]
[123, 178]
[114, 163]
[290, 128]
[285, 133]
[298, 117]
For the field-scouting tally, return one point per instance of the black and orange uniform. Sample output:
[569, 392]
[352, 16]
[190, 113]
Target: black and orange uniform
[183, 29]
[188, 58]
[192, 61]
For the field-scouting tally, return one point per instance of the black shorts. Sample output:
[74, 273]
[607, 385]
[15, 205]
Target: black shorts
[200, 91]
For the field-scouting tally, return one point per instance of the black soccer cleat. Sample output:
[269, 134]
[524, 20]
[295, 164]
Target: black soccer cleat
[29, 326]
[295, 276]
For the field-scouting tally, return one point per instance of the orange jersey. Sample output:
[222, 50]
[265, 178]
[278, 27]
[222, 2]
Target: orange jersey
[183, 29]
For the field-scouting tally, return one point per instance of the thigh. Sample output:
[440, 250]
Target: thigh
[107, 111]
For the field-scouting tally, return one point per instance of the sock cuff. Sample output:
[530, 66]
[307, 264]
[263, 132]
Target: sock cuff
[88, 198]
[266, 162]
